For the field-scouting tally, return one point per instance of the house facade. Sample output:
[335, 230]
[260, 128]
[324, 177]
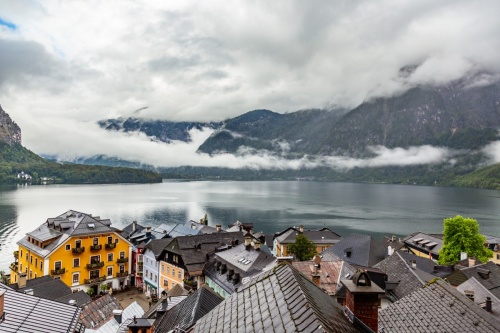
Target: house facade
[322, 239]
[81, 250]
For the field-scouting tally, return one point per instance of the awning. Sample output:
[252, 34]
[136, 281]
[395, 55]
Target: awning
[150, 284]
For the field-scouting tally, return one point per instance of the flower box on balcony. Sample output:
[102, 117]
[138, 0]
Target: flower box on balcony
[16, 254]
[94, 280]
[78, 250]
[96, 247]
[95, 265]
[14, 266]
[58, 271]
[110, 246]
[121, 260]
[122, 274]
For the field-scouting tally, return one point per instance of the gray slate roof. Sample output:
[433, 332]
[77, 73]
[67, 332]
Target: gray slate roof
[436, 308]
[157, 246]
[99, 311]
[480, 294]
[399, 270]
[28, 314]
[359, 249]
[187, 312]
[487, 274]
[321, 236]
[282, 300]
[425, 242]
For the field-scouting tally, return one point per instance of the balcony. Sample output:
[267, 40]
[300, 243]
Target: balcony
[95, 265]
[16, 254]
[14, 266]
[94, 280]
[138, 274]
[94, 248]
[121, 260]
[122, 274]
[58, 271]
[78, 250]
[110, 246]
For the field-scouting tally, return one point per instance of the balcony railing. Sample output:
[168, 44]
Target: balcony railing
[16, 254]
[138, 273]
[122, 260]
[110, 246]
[122, 274]
[95, 265]
[58, 271]
[94, 248]
[94, 280]
[78, 250]
[14, 266]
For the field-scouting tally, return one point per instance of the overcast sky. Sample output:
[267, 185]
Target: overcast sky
[66, 64]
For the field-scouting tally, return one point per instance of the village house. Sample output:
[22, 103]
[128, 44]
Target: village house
[82, 250]
[322, 239]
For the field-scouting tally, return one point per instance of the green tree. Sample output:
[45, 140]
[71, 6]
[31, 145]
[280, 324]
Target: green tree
[462, 235]
[303, 249]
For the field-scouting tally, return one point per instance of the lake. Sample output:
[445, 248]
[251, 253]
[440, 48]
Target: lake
[375, 209]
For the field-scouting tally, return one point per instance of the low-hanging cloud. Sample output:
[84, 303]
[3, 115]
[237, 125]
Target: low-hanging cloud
[184, 62]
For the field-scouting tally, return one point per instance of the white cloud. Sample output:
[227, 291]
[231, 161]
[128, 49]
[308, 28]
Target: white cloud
[492, 150]
[70, 63]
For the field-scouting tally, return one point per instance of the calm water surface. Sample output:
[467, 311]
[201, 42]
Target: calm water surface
[373, 209]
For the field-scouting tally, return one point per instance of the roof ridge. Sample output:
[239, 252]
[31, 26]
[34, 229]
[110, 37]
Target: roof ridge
[412, 270]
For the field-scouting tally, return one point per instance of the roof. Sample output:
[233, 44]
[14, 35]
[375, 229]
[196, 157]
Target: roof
[398, 271]
[487, 274]
[322, 236]
[112, 326]
[54, 289]
[425, 242]
[187, 312]
[358, 249]
[99, 311]
[129, 229]
[27, 313]
[328, 273]
[427, 265]
[480, 295]
[157, 246]
[178, 290]
[436, 308]
[282, 300]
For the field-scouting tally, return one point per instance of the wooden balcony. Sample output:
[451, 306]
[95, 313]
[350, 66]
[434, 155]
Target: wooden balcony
[95, 265]
[110, 246]
[95, 248]
[78, 250]
[122, 274]
[58, 271]
[121, 260]
[14, 266]
[94, 280]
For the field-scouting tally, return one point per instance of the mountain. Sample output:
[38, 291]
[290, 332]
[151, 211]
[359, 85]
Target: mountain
[16, 159]
[10, 133]
[165, 131]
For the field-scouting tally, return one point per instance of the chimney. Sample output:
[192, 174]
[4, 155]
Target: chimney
[256, 245]
[118, 315]
[2, 305]
[218, 227]
[316, 278]
[488, 304]
[29, 291]
[362, 299]
[472, 261]
[301, 229]
[469, 294]
[21, 283]
[390, 250]
[148, 231]
[134, 226]
[393, 238]
[248, 242]
[463, 256]
[413, 264]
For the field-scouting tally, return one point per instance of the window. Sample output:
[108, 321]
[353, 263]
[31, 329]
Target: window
[31, 274]
[95, 259]
[122, 268]
[31, 259]
[156, 278]
[122, 254]
[175, 258]
[20, 267]
[151, 276]
[78, 243]
[36, 262]
[21, 254]
[168, 269]
[110, 240]
[165, 283]
[35, 275]
[173, 272]
[162, 268]
[498, 256]
[96, 241]
[110, 256]
[26, 256]
[68, 247]
[110, 271]
[76, 277]
[41, 265]
[94, 274]
[57, 265]
[179, 274]
[116, 240]
[76, 262]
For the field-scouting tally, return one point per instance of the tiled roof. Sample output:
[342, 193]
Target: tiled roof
[427, 265]
[157, 246]
[487, 274]
[398, 270]
[178, 290]
[282, 300]
[99, 311]
[112, 326]
[129, 229]
[436, 308]
[28, 314]
[328, 273]
[425, 242]
[480, 294]
[187, 312]
[322, 236]
[359, 249]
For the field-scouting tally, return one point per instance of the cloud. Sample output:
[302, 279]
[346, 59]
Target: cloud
[74, 62]
[492, 150]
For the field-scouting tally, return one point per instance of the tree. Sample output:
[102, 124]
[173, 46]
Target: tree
[462, 235]
[303, 249]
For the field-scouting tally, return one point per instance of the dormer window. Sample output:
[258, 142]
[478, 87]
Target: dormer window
[347, 252]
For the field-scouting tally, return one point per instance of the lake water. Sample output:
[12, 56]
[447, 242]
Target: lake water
[375, 209]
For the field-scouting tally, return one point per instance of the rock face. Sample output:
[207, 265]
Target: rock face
[9, 131]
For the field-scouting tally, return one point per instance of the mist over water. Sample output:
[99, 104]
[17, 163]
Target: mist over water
[375, 209]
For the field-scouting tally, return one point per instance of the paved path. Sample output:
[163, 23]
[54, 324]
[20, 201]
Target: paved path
[128, 297]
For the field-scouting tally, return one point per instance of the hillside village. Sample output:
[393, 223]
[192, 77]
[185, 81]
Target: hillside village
[77, 273]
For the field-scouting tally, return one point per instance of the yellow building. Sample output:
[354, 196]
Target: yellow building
[322, 239]
[81, 250]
